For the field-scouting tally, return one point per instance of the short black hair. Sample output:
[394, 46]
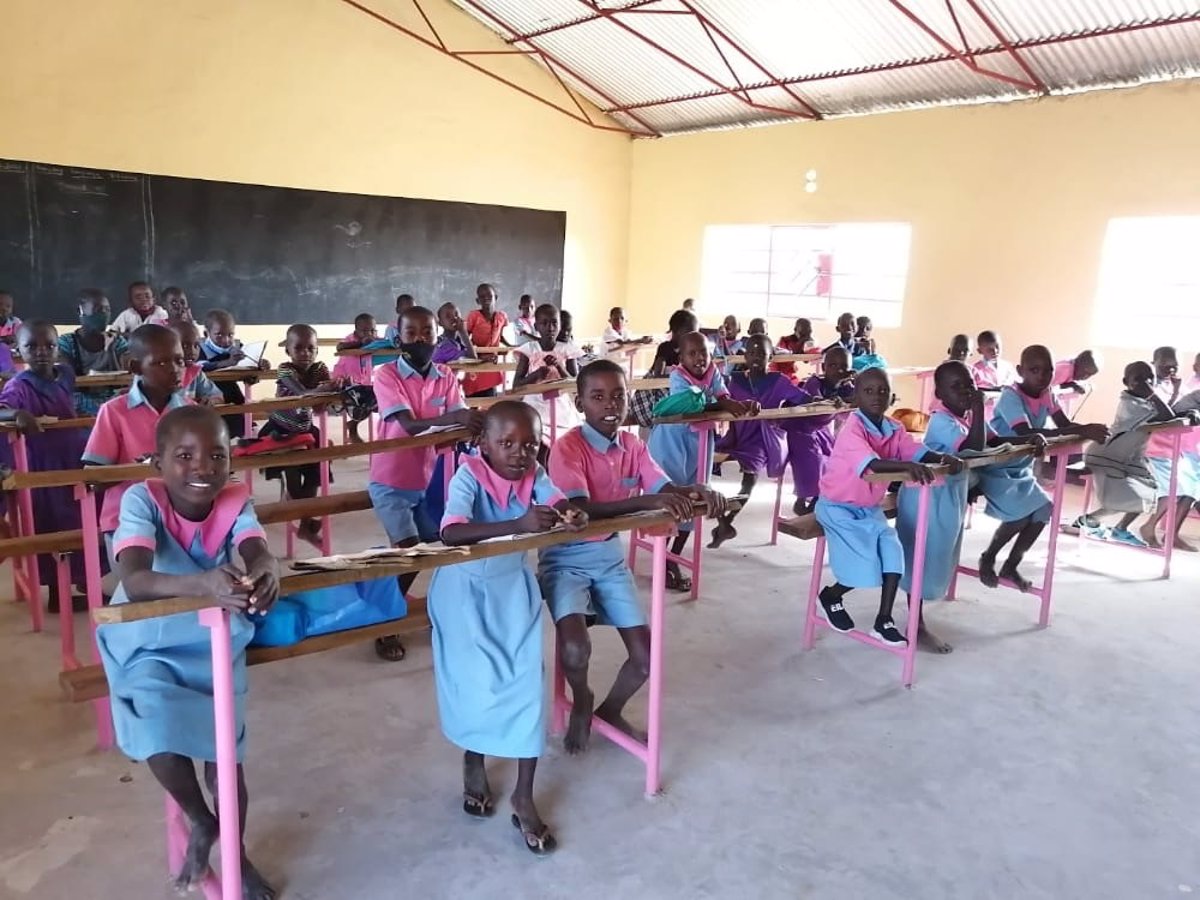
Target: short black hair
[545, 307]
[363, 317]
[91, 295]
[594, 368]
[524, 297]
[30, 324]
[189, 416]
[145, 337]
[215, 314]
[682, 320]
[413, 311]
[171, 291]
[612, 312]
[508, 409]
[1164, 351]
[137, 284]
[944, 369]
[300, 329]
[987, 337]
[400, 298]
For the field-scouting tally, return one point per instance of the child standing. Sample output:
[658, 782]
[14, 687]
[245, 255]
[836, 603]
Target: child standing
[404, 302]
[486, 615]
[197, 386]
[142, 310]
[485, 327]
[959, 349]
[1013, 494]
[991, 373]
[125, 426]
[799, 341]
[301, 375]
[1075, 373]
[547, 359]
[9, 324]
[44, 389]
[414, 394]
[1159, 454]
[810, 439]
[90, 348]
[356, 369]
[677, 447]
[864, 551]
[523, 327]
[607, 473]
[454, 342]
[178, 535]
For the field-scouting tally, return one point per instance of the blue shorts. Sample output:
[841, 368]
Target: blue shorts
[402, 513]
[590, 578]
[863, 547]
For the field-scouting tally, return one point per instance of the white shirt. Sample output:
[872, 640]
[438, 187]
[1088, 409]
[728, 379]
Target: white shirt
[612, 337]
[130, 319]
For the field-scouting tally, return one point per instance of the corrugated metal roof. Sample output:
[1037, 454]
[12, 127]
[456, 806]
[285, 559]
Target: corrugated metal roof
[683, 65]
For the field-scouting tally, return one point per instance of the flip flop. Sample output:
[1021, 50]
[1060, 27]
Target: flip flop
[477, 805]
[539, 843]
[677, 581]
[390, 648]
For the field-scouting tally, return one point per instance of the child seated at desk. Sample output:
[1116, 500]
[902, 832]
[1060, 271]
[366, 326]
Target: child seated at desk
[864, 551]
[142, 310]
[1120, 471]
[125, 426]
[414, 394]
[486, 615]
[959, 350]
[548, 360]
[222, 350]
[617, 331]
[44, 389]
[846, 327]
[1075, 374]
[606, 472]
[799, 341]
[175, 302]
[179, 535]
[90, 348]
[1012, 492]
[356, 369]
[676, 447]
[453, 343]
[198, 387]
[1159, 452]
[9, 324]
[810, 439]
[404, 302]
[991, 373]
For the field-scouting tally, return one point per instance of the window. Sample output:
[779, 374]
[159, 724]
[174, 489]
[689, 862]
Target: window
[816, 271]
[1148, 291]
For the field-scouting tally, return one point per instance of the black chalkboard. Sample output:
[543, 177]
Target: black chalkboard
[269, 254]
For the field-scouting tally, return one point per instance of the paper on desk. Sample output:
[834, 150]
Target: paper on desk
[987, 451]
[516, 537]
[434, 429]
[252, 355]
[375, 557]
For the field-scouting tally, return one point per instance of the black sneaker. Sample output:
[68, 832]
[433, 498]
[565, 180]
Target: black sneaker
[835, 613]
[885, 630]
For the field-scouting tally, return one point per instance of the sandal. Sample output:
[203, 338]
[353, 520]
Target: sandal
[539, 843]
[677, 581]
[478, 805]
[390, 648]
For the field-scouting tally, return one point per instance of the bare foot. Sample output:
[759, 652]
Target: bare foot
[579, 726]
[1181, 544]
[195, 858]
[930, 642]
[1148, 535]
[722, 533]
[254, 886]
[619, 722]
[987, 571]
[1009, 571]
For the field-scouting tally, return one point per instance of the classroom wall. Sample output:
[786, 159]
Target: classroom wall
[1008, 204]
[311, 94]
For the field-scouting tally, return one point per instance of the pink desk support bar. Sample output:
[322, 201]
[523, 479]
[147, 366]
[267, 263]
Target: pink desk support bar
[26, 581]
[649, 753]
[93, 546]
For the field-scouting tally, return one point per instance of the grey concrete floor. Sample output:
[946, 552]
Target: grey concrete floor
[1027, 764]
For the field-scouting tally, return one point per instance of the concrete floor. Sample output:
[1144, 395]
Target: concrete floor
[1028, 764]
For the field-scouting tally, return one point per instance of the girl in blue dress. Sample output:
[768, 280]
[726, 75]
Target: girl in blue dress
[487, 614]
[677, 447]
[177, 536]
[1012, 492]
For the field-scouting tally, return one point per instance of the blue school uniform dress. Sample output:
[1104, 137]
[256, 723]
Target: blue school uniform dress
[160, 670]
[1011, 490]
[947, 510]
[487, 624]
[677, 447]
[863, 547]
[590, 577]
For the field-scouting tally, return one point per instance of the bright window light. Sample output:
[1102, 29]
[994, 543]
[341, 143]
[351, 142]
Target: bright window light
[816, 271]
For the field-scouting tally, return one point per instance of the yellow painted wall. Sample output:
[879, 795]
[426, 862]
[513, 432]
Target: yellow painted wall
[311, 94]
[1008, 205]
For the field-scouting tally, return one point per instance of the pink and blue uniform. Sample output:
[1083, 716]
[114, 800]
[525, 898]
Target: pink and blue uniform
[198, 387]
[1011, 490]
[862, 546]
[590, 577]
[400, 478]
[160, 671]
[1161, 448]
[677, 447]
[487, 623]
[994, 373]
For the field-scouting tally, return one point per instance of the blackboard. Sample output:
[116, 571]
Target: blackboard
[269, 254]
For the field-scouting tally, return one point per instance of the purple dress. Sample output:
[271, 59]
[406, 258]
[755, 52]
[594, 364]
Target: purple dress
[810, 440]
[54, 509]
[758, 444]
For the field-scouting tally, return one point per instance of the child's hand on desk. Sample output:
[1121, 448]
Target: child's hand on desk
[953, 463]
[919, 473]
[680, 506]
[538, 518]
[472, 420]
[574, 518]
[229, 587]
[1038, 443]
[264, 585]
[1097, 433]
[26, 422]
[264, 365]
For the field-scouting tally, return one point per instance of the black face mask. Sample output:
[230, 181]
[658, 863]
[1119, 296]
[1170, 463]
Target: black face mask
[419, 354]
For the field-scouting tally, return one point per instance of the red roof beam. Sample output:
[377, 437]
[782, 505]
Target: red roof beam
[596, 14]
[1004, 42]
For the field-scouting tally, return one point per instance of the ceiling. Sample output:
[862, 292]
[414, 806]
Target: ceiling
[656, 67]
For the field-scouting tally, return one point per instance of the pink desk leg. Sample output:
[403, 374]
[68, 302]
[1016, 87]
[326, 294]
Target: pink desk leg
[553, 398]
[658, 590]
[326, 521]
[447, 468]
[814, 589]
[918, 578]
[704, 464]
[66, 612]
[226, 733]
[93, 546]
[778, 507]
[248, 430]
[1060, 483]
[1172, 503]
[27, 565]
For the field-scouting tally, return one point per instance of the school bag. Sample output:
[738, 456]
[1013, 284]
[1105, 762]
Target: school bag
[684, 403]
[328, 610]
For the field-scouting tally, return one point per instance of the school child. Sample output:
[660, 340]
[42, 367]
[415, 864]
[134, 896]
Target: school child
[810, 439]
[799, 341]
[728, 342]
[454, 342]
[666, 355]
[864, 551]
[1012, 492]
[1159, 452]
[756, 445]
[176, 303]
[606, 472]
[689, 305]
[846, 326]
[991, 373]
[9, 324]
[959, 349]
[45, 389]
[486, 615]
[1120, 472]
[1076, 373]
[546, 359]
[221, 349]
[188, 531]
[89, 348]
[677, 447]
[523, 326]
[404, 302]
[197, 386]
[301, 375]
[862, 336]
[485, 327]
[414, 394]
[124, 429]
[356, 369]
[617, 331]
[142, 310]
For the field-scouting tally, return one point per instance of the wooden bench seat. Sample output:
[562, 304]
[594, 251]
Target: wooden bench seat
[807, 528]
[52, 542]
[314, 508]
[88, 682]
